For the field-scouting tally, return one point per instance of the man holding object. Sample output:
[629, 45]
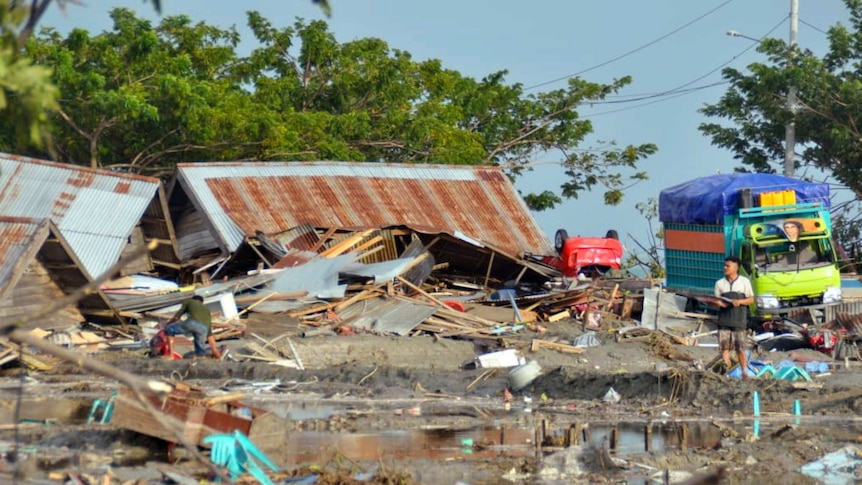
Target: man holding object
[734, 294]
[198, 325]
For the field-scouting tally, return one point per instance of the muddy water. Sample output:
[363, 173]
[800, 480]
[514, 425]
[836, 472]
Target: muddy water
[479, 443]
[51, 410]
[483, 442]
[436, 444]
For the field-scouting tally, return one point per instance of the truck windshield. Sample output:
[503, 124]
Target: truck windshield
[793, 256]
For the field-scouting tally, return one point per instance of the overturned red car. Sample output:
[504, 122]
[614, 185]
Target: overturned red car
[588, 256]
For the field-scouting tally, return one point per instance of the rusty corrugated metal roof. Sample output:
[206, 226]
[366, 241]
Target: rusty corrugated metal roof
[95, 210]
[242, 197]
[17, 244]
[22, 239]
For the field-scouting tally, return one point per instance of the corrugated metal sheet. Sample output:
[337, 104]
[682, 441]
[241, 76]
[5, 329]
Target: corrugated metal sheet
[242, 197]
[17, 237]
[380, 272]
[319, 277]
[388, 316]
[95, 210]
[302, 237]
[851, 307]
[37, 250]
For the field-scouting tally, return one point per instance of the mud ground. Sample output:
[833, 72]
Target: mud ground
[371, 383]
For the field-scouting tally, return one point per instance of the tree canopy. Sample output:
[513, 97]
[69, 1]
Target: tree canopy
[142, 97]
[828, 129]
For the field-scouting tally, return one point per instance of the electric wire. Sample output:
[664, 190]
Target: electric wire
[633, 51]
[818, 29]
[680, 90]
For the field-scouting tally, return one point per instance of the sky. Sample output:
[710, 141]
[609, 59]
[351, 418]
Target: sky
[540, 44]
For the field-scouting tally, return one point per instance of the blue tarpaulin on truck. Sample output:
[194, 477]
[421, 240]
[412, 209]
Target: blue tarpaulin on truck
[707, 200]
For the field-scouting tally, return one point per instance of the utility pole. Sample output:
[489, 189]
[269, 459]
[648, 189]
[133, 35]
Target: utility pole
[790, 127]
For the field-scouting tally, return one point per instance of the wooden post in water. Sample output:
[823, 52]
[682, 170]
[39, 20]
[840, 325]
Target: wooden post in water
[573, 436]
[615, 439]
[545, 430]
[648, 437]
[538, 438]
[683, 442]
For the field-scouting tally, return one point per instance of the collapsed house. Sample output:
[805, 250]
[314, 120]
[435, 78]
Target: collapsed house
[471, 218]
[102, 215]
[38, 267]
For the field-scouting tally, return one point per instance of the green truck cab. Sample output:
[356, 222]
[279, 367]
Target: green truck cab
[778, 226]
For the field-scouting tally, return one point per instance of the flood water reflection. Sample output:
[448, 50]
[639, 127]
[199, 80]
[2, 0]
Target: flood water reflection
[475, 443]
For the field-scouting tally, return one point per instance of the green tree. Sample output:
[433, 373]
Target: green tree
[648, 255]
[363, 100]
[27, 96]
[830, 99]
[26, 92]
[142, 97]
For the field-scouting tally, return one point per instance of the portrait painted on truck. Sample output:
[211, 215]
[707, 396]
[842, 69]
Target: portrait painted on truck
[792, 229]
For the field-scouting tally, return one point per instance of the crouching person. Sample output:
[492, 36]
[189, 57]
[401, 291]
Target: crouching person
[198, 325]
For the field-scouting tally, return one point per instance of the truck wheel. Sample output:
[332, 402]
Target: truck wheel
[560, 239]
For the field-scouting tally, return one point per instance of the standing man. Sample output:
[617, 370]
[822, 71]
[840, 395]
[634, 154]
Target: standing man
[736, 294]
[198, 325]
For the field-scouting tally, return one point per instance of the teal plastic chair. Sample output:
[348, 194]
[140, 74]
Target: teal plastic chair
[767, 369]
[792, 374]
[239, 455]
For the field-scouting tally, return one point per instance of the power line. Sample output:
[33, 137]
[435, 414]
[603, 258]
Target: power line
[680, 90]
[637, 49]
[818, 29]
[666, 98]
[669, 92]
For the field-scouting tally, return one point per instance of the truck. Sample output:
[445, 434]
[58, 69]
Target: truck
[588, 256]
[778, 226]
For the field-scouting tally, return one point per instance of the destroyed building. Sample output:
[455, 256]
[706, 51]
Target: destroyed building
[102, 215]
[471, 218]
[37, 268]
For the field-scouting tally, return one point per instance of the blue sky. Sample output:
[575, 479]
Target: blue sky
[537, 44]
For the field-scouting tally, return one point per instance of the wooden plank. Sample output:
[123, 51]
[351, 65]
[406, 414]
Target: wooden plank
[560, 316]
[320, 242]
[241, 300]
[613, 296]
[310, 310]
[537, 344]
[348, 242]
[369, 252]
[490, 265]
[362, 295]
[367, 244]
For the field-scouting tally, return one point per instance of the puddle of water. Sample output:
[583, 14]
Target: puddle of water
[302, 411]
[61, 411]
[474, 443]
[632, 437]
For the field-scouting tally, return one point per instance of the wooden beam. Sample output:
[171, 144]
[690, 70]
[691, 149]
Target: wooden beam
[260, 255]
[371, 242]
[167, 264]
[362, 295]
[544, 344]
[520, 275]
[60, 266]
[158, 240]
[320, 242]
[342, 247]
[370, 252]
[488, 273]
[433, 242]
